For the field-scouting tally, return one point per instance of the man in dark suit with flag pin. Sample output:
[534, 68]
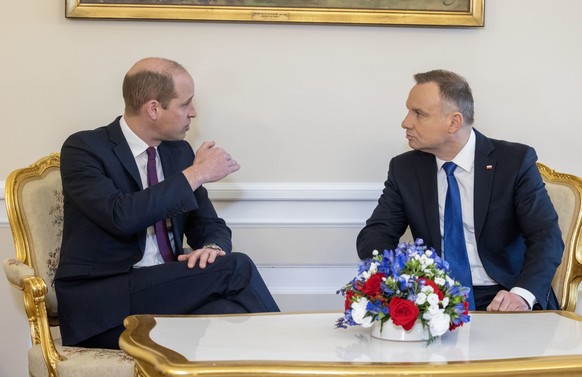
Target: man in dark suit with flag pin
[480, 202]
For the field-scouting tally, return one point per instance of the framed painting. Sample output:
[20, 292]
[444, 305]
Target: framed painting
[464, 13]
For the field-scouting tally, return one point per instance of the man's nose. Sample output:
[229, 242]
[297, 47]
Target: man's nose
[405, 123]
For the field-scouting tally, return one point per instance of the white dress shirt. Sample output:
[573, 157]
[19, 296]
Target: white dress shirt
[465, 176]
[138, 148]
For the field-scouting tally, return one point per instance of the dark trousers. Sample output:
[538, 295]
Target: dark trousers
[232, 284]
[484, 294]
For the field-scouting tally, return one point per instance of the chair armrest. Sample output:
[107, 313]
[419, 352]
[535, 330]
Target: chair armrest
[16, 272]
[34, 290]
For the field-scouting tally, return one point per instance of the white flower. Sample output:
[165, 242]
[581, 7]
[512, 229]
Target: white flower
[359, 312]
[445, 302]
[433, 310]
[427, 289]
[371, 271]
[440, 282]
[420, 298]
[426, 261]
[439, 323]
[433, 299]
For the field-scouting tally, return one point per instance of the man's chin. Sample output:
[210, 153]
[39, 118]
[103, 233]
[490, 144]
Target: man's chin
[181, 135]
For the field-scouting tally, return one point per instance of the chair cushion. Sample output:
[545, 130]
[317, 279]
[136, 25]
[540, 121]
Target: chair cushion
[83, 362]
[564, 200]
[41, 203]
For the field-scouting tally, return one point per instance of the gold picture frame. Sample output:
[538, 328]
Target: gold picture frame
[462, 13]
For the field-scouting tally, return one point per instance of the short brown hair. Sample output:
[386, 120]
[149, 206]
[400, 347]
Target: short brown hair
[454, 89]
[144, 85]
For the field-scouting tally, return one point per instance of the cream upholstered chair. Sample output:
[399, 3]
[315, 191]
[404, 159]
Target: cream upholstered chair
[565, 191]
[34, 203]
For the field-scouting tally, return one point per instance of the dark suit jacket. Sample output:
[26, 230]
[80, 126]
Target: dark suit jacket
[516, 227]
[106, 213]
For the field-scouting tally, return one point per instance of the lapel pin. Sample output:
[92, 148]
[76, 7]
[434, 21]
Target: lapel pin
[489, 167]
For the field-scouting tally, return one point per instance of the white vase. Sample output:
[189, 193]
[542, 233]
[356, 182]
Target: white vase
[389, 331]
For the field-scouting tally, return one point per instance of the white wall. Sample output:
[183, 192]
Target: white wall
[312, 113]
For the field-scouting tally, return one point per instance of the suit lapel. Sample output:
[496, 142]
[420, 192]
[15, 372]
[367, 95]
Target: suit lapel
[426, 173]
[123, 152]
[484, 174]
[168, 165]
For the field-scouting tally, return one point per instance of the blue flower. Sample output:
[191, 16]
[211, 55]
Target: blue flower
[377, 307]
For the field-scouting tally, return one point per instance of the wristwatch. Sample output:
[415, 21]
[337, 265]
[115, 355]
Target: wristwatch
[212, 246]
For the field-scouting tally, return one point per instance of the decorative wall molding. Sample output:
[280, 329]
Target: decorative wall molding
[307, 288]
[295, 204]
[294, 191]
[285, 204]
[307, 279]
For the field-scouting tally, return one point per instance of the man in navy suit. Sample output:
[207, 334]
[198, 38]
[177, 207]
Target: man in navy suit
[514, 244]
[111, 263]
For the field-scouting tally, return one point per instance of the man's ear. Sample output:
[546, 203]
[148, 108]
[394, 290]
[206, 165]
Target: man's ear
[456, 122]
[151, 107]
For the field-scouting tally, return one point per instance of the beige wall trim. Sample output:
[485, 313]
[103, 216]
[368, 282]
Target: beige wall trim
[285, 204]
[294, 191]
[307, 279]
[328, 205]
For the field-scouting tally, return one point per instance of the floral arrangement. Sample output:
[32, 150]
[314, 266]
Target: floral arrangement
[406, 284]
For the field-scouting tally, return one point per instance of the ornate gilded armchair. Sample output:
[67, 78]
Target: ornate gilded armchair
[565, 190]
[34, 203]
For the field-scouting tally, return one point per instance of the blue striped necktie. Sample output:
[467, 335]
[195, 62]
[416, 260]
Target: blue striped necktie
[455, 248]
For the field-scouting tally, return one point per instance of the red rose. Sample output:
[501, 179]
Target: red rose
[349, 297]
[403, 312]
[372, 286]
[435, 288]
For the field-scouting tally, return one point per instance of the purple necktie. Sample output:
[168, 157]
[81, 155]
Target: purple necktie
[160, 226]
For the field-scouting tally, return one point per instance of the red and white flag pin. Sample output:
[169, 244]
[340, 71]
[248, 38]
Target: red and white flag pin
[489, 167]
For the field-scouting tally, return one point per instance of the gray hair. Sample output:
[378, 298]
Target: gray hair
[454, 89]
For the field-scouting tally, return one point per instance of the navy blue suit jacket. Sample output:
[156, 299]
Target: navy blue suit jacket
[516, 226]
[106, 214]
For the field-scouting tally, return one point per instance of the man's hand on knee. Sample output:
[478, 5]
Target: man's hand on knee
[203, 256]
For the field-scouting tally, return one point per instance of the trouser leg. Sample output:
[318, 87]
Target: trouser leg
[108, 339]
[173, 288]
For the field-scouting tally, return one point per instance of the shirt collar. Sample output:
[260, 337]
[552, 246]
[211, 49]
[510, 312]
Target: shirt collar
[136, 145]
[466, 157]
